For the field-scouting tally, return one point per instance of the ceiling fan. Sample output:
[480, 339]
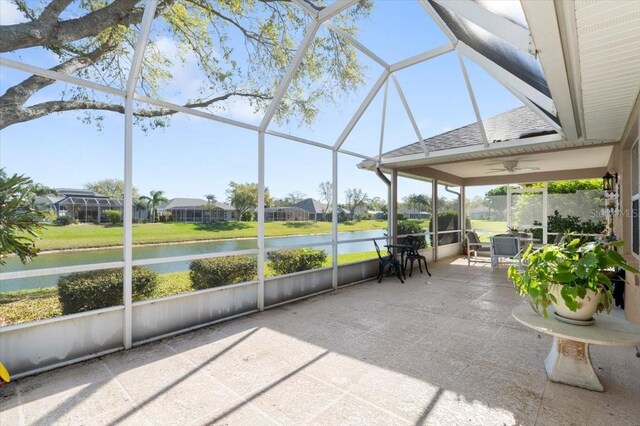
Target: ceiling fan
[511, 166]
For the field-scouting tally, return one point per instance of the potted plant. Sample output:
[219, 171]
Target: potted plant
[571, 276]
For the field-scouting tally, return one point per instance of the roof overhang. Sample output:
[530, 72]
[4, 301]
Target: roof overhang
[555, 160]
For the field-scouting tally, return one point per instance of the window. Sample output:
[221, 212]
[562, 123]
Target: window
[635, 199]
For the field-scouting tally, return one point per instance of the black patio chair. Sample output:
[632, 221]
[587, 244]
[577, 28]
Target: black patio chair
[388, 260]
[414, 255]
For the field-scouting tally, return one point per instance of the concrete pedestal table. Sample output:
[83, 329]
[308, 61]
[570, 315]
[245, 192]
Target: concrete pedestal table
[569, 360]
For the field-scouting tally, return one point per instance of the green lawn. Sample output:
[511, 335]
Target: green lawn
[493, 226]
[86, 235]
[30, 305]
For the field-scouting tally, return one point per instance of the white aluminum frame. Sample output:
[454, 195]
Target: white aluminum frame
[319, 18]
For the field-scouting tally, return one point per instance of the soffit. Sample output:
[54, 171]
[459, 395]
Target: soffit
[583, 158]
[608, 34]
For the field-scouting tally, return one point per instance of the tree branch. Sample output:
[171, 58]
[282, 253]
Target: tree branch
[9, 114]
[50, 32]
[50, 14]
[21, 92]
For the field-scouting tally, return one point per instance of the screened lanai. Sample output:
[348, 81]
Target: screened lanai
[417, 102]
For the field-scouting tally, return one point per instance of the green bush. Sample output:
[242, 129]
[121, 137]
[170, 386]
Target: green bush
[219, 271]
[342, 217]
[295, 260]
[65, 220]
[114, 216]
[49, 216]
[412, 227]
[85, 291]
[568, 224]
[364, 216]
[448, 221]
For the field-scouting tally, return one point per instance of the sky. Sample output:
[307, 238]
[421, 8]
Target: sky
[193, 156]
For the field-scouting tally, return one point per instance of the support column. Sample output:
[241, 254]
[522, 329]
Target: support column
[434, 218]
[545, 214]
[463, 213]
[127, 223]
[136, 64]
[334, 219]
[261, 252]
[393, 209]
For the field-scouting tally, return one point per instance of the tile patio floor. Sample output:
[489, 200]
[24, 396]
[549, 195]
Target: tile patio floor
[440, 350]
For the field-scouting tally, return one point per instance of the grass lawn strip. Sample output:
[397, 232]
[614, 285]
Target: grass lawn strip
[89, 236]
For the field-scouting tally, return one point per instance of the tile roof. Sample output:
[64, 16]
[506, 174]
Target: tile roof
[512, 124]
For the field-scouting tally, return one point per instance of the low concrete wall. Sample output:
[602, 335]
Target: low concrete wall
[294, 286]
[48, 343]
[162, 316]
[449, 250]
[358, 271]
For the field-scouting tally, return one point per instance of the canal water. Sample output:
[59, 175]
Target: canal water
[85, 257]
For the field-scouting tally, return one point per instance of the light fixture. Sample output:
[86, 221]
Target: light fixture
[611, 195]
[609, 182]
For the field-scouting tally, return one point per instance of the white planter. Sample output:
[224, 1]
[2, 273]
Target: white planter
[586, 306]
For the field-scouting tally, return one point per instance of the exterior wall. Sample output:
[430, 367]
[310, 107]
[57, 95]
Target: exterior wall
[620, 162]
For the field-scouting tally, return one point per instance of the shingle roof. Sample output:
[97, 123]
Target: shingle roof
[512, 124]
[194, 203]
[311, 205]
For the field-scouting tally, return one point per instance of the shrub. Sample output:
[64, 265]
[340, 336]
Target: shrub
[448, 221]
[342, 217]
[85, 291]
[568, 224]
[364, 216]
[219, 271]
[412, 227]
[65, 220]
[49, 216]
[295, 260]
[114, 216]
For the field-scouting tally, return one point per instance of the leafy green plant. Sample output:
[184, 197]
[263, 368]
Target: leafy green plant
[65, 221]
[412, 227]
[114, 216]
[219, 271]
[20, 219]
[295, 260]
[575, 265]
[85, 291]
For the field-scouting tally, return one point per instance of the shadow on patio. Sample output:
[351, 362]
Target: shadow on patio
[436, 350]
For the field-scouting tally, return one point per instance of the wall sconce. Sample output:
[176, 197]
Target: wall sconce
[611, 194]
[610, 182]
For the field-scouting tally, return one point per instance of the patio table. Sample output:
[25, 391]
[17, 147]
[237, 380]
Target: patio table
[403, 249]
[569, 360]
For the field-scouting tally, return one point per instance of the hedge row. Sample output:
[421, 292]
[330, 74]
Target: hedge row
[85, 291]
[296, 260]
[219, 271]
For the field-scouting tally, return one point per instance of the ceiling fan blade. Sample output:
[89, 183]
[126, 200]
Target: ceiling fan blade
[527, 168]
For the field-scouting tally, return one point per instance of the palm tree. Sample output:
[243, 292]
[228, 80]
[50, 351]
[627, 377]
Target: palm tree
[139, 206]
[154, 199]
[211, 205]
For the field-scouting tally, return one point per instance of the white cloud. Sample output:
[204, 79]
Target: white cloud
[9, 13]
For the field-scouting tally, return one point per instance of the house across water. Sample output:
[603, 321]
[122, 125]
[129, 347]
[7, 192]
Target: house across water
[82, 205]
